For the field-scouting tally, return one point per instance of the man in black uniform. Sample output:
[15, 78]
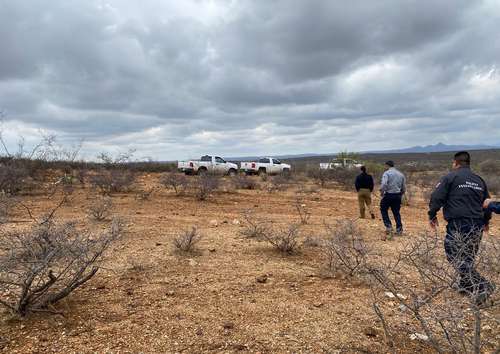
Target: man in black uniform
[364, 187]
[461, 194]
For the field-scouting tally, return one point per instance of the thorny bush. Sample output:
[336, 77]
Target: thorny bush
[113, 181]
[254, 227]
[345, 248]
[45, 264]
[285, 241]
[177, 181]
[425, 286]
[206, 185]
[100, 209]
[187, 240]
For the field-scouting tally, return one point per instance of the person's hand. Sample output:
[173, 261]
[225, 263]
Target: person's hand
[434, 224]
[486, 203]
[486, 228]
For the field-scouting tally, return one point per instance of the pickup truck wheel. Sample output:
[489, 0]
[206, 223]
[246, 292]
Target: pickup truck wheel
[286, 172]
[202, 171]
[262, 172]
[232, 172]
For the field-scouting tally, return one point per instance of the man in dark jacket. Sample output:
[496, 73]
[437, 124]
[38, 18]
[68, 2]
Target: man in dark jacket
[364, 187]
[461, 194]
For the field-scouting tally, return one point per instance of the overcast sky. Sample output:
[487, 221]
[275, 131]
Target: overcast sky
[177, 79]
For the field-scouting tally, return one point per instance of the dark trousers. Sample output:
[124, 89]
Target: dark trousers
[463, 237]
[392, 201]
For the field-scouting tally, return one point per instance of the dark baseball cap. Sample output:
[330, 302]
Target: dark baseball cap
[390, 163]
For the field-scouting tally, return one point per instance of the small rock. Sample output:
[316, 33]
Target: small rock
[228, 325]
[212, 250]
[199, 332]
[158, 244]
[170, 293]
[236, 222]
[192, 262]
[390, 295]
[225, 222]
[318, 304]
[419, 336]
[261, 279]
[214, 223]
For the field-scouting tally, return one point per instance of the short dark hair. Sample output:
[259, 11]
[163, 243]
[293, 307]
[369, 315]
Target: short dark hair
[390, 163]
[363, 169]
[462, 158]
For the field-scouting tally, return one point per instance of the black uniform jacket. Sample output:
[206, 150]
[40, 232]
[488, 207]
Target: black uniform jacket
[365, 181]
[461, 194]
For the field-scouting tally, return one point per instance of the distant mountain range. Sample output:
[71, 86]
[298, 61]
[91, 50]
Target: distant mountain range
[436, 148]
[440, 147]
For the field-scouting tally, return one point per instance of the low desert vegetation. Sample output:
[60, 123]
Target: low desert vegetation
[345, 248]
[242, 181]
[44, 264]
[186, 241]
[204, 186]
[108, 182]
[411, 287]
[101, 208]
[254, 227]
[286, 240]
[179, 182]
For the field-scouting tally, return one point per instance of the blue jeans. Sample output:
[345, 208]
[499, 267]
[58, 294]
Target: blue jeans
[391, 201]
[463, 237]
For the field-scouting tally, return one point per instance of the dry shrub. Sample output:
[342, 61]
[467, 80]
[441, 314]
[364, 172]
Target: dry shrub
[304, 189]
[12, 179]
[424, 286]
[6, 205]
[303, 212]
[206, 185]
[81, 175]
[43, 265]
[187, 240]
[243, 182]
[493, 183]
[177, 181]
[490, 167]
[144, 194]
[345, 248]
[100, 209]
[113, 181]
[320, 176]
[344, 177]
[285, 241]
[254, 227]
[278, 183]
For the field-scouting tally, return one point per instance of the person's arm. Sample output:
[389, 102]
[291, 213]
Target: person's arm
[383, 183]
[371, 183]
[487, 212]
[438, 199]
[491, 206]
[356, 184]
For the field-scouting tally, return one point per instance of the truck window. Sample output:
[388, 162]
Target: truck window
[264, 161]
[219, 159]
[206, 158]
[277, 162]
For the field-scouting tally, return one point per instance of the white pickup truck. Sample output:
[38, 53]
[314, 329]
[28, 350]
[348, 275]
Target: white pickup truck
[340, 163]
[266, 165]
[208, 164]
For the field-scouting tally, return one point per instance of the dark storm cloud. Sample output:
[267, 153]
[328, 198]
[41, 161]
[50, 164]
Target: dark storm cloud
[249, 77]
